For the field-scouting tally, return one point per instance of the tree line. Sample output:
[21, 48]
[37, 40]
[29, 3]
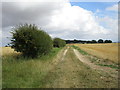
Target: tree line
[84, 41]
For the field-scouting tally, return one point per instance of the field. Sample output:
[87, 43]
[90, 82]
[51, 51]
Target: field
[62, 68]
[7, 51]
[104, 51]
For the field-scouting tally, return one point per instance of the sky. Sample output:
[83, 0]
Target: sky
[64, 19]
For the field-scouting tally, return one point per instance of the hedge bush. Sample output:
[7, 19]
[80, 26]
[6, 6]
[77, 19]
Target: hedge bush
[31, 41]
[57, 42]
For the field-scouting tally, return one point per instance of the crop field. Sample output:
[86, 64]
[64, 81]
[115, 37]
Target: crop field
[8, 51]
[104, 51]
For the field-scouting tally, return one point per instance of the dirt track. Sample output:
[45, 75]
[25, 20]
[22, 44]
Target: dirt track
[86, 61]
[74, 70]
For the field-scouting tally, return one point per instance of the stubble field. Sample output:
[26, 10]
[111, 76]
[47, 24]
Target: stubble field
[104, 51]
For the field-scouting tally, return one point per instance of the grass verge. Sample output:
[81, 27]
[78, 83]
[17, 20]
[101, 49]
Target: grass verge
[80, 50]
[25, 72]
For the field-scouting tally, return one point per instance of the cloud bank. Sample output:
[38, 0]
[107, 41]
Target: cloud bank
[59, 19]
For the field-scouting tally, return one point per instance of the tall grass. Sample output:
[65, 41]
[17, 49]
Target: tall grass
[19, 72]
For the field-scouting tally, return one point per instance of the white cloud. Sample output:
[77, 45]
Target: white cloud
[111, 25]
[75, 22]
[108, 22]
[112, 8]
[59, 19]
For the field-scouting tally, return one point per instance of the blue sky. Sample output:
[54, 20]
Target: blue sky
[101, 6]
[92, 6]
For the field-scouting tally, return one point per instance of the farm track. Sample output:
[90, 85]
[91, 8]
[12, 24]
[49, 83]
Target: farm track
[73, 70]
[85, 60]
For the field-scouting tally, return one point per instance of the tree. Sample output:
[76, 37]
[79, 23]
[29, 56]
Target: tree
[107, 41]
[57, 42]
[93, 41]
[31, 41]
[75, 41]
[100, 41]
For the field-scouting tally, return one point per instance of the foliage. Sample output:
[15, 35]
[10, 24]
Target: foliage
[57, 42]
[90, 41]
[100, 41]
[107, 41]
[93, 41]
[31, 41]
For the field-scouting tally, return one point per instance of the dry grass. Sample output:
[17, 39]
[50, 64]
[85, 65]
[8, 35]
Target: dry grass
[105, 51]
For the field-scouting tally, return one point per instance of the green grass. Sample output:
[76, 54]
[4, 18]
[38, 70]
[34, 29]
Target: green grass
[80, 50]
[19, 72]
[111, 66]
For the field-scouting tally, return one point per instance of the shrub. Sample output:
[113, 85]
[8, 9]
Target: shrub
[57, 42]
[31, 41]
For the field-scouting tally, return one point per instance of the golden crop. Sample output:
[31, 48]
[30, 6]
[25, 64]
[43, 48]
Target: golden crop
[105, 51]
[5, 51]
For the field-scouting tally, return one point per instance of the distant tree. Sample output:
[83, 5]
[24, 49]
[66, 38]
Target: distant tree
[67, 41]
[31, 41]
[100, 41]
[75, 41]
[110, 41]
[93, 41]
[107, 41]
[57, 42]
[6, 46]
[88, 41]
